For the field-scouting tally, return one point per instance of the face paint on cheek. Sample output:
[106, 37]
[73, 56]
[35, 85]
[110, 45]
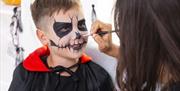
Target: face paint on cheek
[62, 29]
[54, 44]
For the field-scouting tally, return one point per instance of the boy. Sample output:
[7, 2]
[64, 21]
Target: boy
[60, 64]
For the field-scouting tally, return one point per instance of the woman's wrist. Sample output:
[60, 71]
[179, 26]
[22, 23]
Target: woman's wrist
[114, 51]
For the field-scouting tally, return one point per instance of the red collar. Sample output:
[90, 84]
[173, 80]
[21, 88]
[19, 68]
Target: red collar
[34, 63]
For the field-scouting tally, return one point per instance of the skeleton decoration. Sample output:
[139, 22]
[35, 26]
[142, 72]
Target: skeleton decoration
[15, 30]
[93, 14]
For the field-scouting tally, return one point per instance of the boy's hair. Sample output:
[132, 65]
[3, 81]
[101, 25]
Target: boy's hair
[41, 8]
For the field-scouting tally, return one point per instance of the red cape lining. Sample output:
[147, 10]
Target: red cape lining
[34, 63]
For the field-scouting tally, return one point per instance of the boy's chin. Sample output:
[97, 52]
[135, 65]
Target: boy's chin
[75, 55]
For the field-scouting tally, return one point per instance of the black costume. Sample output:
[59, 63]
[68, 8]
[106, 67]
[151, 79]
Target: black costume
[35, 75]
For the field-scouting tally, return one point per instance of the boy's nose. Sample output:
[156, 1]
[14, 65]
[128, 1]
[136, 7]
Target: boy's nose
[78, 35]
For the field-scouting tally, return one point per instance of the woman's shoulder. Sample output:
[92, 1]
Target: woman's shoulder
[175, 86]
[172, 87]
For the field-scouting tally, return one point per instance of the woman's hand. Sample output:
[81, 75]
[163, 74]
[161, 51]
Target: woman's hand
[104, 42]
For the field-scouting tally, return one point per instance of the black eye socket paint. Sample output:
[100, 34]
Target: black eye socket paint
[82, 25]
[61, 28]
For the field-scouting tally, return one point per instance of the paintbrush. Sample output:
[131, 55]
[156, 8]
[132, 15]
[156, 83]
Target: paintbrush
[101, 33]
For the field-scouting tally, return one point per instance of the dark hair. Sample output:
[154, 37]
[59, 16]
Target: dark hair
[149, 32]
[41, 8]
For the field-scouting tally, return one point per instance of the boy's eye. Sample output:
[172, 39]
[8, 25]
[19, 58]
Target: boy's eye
[62, 29]
[82, 27]
[65, 29]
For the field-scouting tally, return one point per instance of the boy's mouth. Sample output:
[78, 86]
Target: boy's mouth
[75, 46]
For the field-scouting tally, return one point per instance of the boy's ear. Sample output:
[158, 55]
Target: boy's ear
[42, 37]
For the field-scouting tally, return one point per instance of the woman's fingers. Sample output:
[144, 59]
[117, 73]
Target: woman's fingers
[99, 41]
[104, 42]
[98, 25]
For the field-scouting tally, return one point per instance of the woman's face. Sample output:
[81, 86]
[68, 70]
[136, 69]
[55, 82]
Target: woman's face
[66, 32]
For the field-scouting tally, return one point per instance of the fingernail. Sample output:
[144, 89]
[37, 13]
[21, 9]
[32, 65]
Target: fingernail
[93, 35]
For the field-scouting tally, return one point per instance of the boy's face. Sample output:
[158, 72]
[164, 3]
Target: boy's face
[65, 34]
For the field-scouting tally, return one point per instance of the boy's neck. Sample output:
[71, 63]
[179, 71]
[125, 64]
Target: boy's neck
[54, 61]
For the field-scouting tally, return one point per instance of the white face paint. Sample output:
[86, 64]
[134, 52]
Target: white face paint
[68, 29]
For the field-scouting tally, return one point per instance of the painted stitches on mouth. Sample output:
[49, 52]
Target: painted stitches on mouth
[73, 46]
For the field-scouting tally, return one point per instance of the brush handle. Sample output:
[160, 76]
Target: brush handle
[102, 33]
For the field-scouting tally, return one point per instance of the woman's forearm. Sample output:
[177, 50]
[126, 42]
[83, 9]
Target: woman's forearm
[115, 51]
